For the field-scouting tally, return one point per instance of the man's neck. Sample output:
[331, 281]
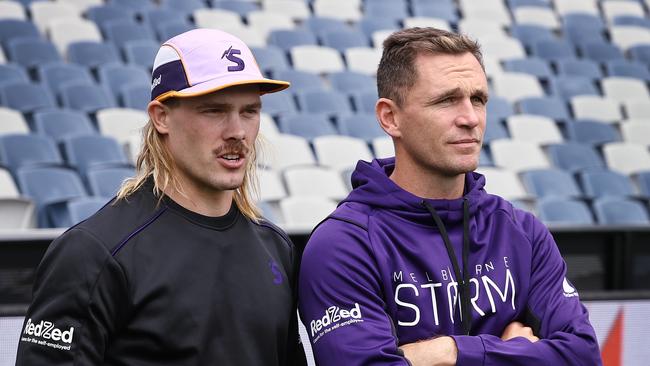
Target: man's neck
[427, 184]
[207, 203]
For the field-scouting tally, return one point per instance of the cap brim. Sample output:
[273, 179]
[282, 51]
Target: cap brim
[266, 86]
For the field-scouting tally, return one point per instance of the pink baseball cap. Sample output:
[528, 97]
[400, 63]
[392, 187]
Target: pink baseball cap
[202, 61]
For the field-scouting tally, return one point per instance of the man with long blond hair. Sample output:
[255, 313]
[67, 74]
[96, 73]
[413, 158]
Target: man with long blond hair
[179, 268]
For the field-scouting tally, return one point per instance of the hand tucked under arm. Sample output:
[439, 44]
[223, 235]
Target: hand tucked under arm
[517, 329]
[439, 351]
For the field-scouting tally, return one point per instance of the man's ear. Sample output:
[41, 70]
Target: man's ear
[385, 110]
[159, 115]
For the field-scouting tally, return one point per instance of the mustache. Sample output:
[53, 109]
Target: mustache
[235, 147]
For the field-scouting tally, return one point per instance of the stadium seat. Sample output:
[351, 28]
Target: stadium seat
[268, 127]
[562, 211]
[364, 101]
[397, 9]
[628, 36]
[340, 152]
[84, 152]
[297, 10]
[596, 108]
[534, 15]
[216, 18]
[55, 74]
[330, 103]
[602, 183]
[307, 125]
[423, 22]
[613, 9]
[484, 159]
[626, 158]
[12, 73]
[636, 132]
[627, 69]
[620, 211]
[643, 179]
[286, 39]
[529, 65]
[504, 183]
[120, 123]
[315, 181]
[141, 53]
[528, 34]
[550, 183]
[44, 12]
[105, 13]
[575, 157]
[106, 181]
[515, 86]
[76, 210]
[550, 107]
[567, 87]
[502, 48]
[316, 59]
[12, 10]
[350, 81]
[383, 147]
[287, 150]
[183, 6]
[536, 129]
[26, 97]
[498, 109]
[495, 130]
[265, 22]
[494, 11]
[579, 67]
[13, 28]
[13, 122]
[362, 126]
[92, 54]
[301, 81]
[553, 49]
[637, 108]
[342, 39]
[137, 6]
[477, 27]
[639, 21]
[64, 32]
[271, 186]
[621, 89]
[342, 9]
[83, 5]
[601, 51]
[640, 53]
[567, 8]
[304, 213]
[171, 29]
[271, 59]
[50, 188]
[87, 98]
[277, 104]
[518, 155]
[444, 9]
[135, 96]
[121, 31]
[370, 25]
[60, 124]
[31, 52]
[320, 26]
[240, 7]
[363, 59]
[592, 132]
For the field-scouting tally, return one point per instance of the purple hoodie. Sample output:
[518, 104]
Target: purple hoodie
[377, 274]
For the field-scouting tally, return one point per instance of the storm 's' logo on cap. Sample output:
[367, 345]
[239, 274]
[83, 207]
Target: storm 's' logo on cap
[231, 55]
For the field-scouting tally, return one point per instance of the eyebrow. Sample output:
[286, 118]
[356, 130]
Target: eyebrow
[457, 92]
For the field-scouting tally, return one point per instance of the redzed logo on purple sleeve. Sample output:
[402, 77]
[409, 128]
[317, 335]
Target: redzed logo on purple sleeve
[332, 320]
[231, 55]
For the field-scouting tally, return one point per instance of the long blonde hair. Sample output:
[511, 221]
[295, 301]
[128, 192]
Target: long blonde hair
[155, 160]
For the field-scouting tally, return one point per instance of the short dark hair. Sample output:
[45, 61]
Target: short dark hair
[397, 71]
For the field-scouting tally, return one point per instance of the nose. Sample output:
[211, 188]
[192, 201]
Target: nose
[234, 128]
[469, 115]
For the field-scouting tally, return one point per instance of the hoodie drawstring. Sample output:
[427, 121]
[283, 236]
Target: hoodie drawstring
[463, 281]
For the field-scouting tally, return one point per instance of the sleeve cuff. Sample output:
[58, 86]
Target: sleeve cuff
[471, 350]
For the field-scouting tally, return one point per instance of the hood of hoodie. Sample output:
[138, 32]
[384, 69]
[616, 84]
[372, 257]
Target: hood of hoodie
[373, 187]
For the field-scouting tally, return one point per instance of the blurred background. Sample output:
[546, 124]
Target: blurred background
[567, 137]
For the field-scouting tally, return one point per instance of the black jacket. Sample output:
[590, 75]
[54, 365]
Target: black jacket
[142, 283]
